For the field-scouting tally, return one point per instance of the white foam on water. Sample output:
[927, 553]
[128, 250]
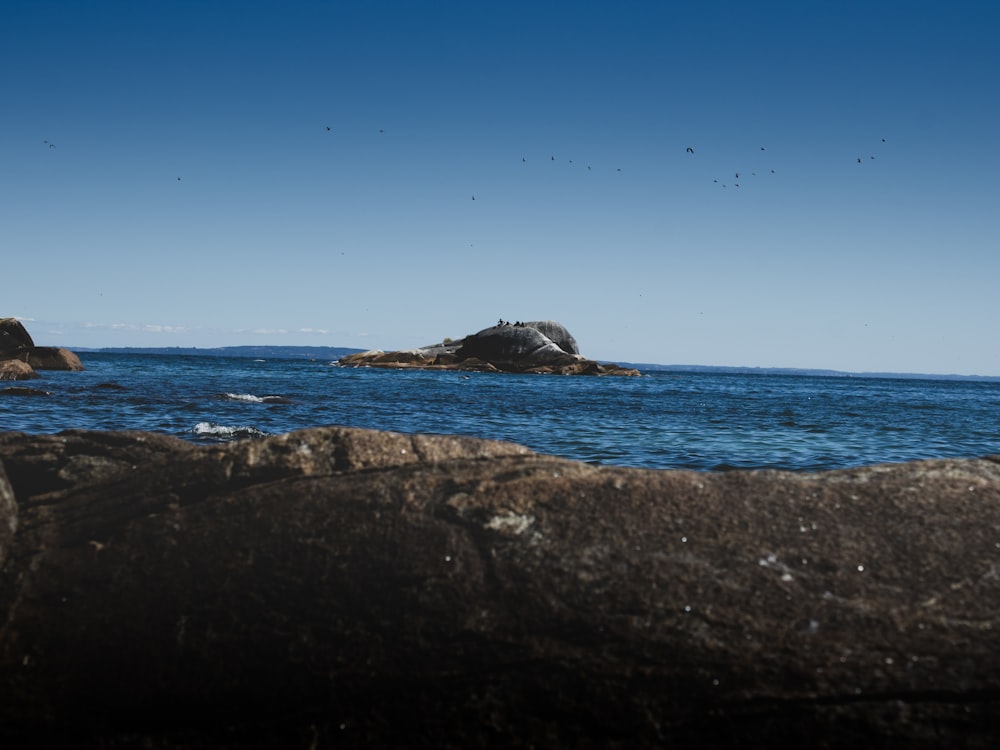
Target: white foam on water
[250, 398]
[226, 432]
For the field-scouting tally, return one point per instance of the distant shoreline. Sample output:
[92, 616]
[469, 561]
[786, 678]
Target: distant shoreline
[336, 352]
[244, 352]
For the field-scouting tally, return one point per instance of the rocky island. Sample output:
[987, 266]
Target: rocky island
[540, 347]
[347, 588]
[20, 358]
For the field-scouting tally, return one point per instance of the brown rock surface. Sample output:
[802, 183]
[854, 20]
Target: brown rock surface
[51, 358]
[337, 587]
[16, 369]
[19, 357]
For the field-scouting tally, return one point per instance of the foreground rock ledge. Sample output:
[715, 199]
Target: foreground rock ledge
[338, 587]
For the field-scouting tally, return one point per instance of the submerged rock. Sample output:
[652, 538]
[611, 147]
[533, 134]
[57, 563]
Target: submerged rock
[346, 588]
[18, 391]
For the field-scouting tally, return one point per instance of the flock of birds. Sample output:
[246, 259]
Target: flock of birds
[739, 176]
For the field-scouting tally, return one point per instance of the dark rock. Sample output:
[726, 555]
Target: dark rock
[557, 333]
[8, 519]
[543, 347]
[13, 337]
[110, 387]
[16, 391]
[337, 587]
[514, 345]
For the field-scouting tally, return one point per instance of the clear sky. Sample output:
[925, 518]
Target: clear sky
[386, 174]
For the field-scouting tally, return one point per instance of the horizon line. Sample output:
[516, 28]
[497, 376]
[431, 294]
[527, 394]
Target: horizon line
[678, 367]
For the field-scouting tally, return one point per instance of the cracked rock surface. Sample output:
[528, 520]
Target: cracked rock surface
[346, 588]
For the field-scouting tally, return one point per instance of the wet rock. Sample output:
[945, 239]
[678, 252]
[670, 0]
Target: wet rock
[16, 391]
[338, 587]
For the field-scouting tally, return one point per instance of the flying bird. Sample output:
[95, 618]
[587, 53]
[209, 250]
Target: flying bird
[690, 150]
[328, 128]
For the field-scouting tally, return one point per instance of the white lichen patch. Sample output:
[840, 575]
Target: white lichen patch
[772, 562]
[510, 523]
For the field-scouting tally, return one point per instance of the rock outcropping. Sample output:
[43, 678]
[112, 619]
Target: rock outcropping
[19, 357]
[346, 588]
[543, 346]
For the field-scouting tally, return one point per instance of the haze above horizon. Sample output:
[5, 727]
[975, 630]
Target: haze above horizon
[776, 185]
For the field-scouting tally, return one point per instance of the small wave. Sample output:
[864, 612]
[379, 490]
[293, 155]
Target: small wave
[211, 430]
[250, 398]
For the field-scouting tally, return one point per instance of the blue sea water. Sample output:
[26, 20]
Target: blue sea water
[665, 419]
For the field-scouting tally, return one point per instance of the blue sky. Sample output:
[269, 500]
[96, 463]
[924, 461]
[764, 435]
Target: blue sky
[167, 177]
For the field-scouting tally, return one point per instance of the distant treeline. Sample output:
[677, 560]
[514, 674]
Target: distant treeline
[250, 352]
[716, 369]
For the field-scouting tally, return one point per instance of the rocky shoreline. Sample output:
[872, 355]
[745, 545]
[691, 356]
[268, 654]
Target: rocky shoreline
[538, 347]
[337, 587]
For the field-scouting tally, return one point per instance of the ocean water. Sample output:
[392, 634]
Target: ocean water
[701, 420]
